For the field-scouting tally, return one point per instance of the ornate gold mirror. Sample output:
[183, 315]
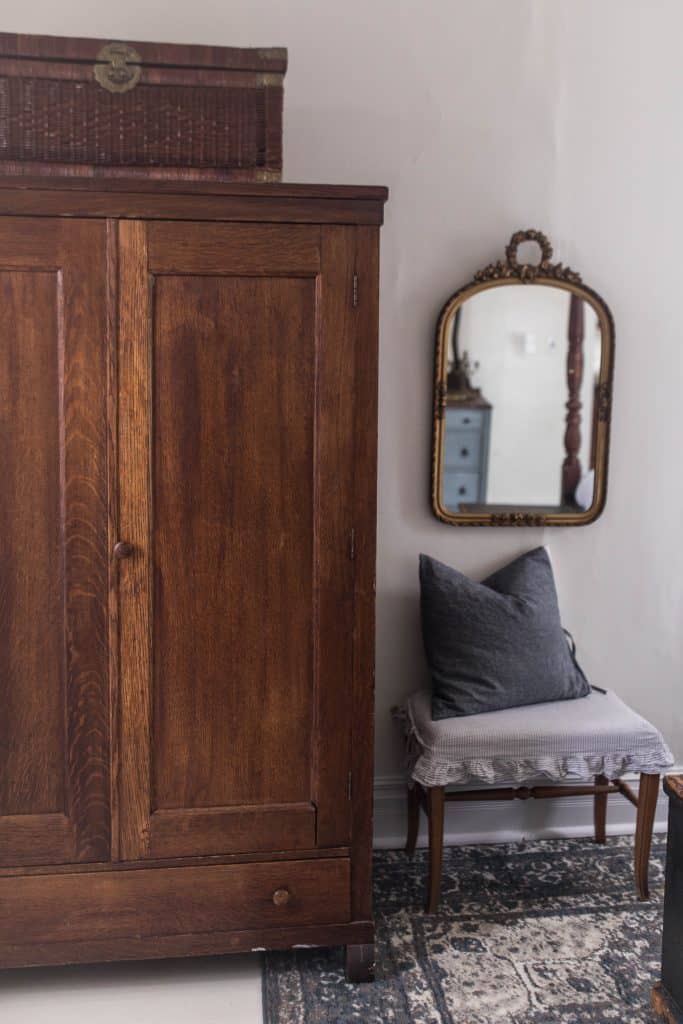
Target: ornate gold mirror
[522, 396]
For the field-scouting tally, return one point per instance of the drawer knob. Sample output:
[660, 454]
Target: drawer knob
[464, 452]
[462, 490]
[281, 897]
[123, 549]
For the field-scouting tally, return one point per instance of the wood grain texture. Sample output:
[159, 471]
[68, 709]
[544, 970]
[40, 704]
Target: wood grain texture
[172, 901]
[231, 762]
[85, 534]
[600, 809]
[334, 540]
[312, 853]
[665, 1006]
[256, 190]
[156, 947]
[138, 198]
[54, 679]
[190, 832]
[648, 792]
[229, 485]
[134, 521]
[28, 839]
[234, 249]
[365, 519]
[435, 816]
[112, 236]
[32, 739]
[233, 518]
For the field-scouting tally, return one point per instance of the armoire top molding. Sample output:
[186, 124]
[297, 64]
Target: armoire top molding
[137, 197]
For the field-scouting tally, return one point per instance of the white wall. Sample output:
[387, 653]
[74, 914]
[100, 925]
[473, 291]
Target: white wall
[484, 117]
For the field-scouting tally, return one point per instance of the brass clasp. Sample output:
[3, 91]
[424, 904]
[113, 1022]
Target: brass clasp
[118, 67]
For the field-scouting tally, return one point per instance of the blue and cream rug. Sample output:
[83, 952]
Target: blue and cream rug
[537, 933]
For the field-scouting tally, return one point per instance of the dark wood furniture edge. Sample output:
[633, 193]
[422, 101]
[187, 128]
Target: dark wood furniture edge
[319, 853]
[25, 46]
[315, 204]
[360, 958]
[295, 190]
[158, 947]
[673, 786]
[360, 962]
[664, 1006]
[133, 200]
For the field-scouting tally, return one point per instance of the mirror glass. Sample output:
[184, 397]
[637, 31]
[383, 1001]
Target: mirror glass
[522, 369]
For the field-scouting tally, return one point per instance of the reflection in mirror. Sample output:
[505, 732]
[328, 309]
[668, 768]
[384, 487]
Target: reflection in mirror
[523, 364]
[522, 396]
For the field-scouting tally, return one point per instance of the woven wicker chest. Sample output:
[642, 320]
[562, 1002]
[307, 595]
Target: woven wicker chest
[92, 107]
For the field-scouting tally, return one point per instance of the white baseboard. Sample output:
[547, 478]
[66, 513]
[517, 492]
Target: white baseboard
[495, 821]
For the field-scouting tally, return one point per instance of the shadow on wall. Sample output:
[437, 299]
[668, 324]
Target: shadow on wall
[398, 614]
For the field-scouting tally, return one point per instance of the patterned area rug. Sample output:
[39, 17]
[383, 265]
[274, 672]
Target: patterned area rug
[536, 933]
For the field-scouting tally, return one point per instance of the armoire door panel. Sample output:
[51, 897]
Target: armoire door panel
[32, 600]
[235, 452]
[54, 799]
[232, 505]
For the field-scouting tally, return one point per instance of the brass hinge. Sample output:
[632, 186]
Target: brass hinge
[355, 290]
[352, 544]
[349, 785]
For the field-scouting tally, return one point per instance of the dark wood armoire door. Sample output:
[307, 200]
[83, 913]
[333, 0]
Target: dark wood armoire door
[235, 460]
[54, 699]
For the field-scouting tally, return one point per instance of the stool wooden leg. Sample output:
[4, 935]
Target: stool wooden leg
[600, 810]
[647, 804]
[413, 819]
[435, 808]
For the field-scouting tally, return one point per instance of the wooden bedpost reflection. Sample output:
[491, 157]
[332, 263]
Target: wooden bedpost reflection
[571, 467]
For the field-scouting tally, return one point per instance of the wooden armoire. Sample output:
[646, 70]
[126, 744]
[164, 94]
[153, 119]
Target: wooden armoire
[188, 378]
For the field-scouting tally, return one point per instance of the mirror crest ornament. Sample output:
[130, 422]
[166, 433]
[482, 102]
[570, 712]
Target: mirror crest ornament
[521, 427]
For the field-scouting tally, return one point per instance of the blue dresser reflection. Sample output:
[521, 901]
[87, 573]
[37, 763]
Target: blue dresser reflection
[466, 453]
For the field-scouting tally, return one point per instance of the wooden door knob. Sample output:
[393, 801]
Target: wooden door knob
[123, 549]
[281, 897]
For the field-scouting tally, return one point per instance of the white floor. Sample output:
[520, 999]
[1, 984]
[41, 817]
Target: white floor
[215, 990]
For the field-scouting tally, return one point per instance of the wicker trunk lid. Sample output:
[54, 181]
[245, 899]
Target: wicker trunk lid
[93, 107]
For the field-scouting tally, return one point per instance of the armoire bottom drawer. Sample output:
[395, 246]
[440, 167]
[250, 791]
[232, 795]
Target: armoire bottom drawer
[169, 901]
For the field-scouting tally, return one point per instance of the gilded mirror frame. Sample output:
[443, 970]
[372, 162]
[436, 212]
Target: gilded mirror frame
[500, 275]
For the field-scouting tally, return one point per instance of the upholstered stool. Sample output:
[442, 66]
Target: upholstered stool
[562, 748]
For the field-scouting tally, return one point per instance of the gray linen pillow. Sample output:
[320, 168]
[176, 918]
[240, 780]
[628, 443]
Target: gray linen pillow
[496, 644]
